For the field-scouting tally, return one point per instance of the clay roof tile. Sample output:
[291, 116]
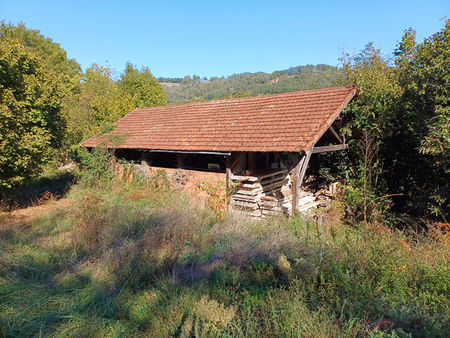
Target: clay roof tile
[290, 122]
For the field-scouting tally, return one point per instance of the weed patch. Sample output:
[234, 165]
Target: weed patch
[131, 257]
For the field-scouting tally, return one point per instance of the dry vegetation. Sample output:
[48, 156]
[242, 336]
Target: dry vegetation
[136, 258]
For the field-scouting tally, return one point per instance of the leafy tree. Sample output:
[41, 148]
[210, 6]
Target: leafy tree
[234, 95]
[371, 120]
[424, 72]
[379, 92]
[53, 57]
[142, 86]
[97, 103]
[402, 111]
[30, 122]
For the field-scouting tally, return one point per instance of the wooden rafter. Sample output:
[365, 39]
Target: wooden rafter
[335, 134]
[335, 147]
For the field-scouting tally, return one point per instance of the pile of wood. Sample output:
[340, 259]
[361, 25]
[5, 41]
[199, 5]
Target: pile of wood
[271, 193]
[263, 195]
[310, 200]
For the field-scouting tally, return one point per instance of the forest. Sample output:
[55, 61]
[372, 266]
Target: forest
[96, 253]
[194, 88]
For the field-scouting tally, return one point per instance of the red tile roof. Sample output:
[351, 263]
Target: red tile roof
[290, 122]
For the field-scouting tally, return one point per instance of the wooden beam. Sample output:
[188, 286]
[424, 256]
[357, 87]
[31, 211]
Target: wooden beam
[227, 183]
[323, 149]
[238, 160]
[297, 179]
[278, 156]
[335, 134]
[305, 166]
[180, 160]
[185, 152]
[294, 187]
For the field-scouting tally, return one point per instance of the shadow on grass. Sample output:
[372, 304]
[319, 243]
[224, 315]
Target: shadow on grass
[44, 292]
[54, 185]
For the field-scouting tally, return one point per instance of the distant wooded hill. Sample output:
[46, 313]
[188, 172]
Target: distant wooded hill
[195, 88]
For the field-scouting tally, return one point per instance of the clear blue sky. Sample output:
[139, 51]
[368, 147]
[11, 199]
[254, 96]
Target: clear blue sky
[214, 38]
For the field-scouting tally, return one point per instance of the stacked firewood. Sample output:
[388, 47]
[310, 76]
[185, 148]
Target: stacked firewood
[264, 194]
[269, 194]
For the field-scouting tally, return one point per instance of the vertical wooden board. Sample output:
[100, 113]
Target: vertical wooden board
[294, 192]
[298, 174]
[295, 180]
[180, 160]
[304, 167]
[237, 162]
[227, 183]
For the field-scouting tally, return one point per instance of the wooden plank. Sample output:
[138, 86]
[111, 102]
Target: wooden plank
[246, 205]
[299, 174]
[335, 134]
[268, 198]
[303, 170]
[323, 149]
[305, 200]
[295, 178]
[273, 186]
[180, 160]
[244, 178]
[279, 172]
[248, 192]
[240, 158]
[227, 188]
[245, 197]
[308, 206]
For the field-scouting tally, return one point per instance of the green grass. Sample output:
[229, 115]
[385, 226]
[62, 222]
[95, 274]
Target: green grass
[140, 260]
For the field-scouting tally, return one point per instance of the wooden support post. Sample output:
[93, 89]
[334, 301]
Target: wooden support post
[279, 158]
[227, 186]
[297, 179]
[180, 160]
[305, 166]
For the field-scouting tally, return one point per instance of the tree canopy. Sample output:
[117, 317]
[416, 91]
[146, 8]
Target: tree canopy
[403, 107]
[145, 90]
[30, 121]
[194, 88]
[97, 103]
[48, 105]
[52, 56]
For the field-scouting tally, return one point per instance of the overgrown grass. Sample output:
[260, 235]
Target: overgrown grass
[130, 259]
[51, 183]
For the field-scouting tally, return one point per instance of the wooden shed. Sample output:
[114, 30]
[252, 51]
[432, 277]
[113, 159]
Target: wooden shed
[263, 143]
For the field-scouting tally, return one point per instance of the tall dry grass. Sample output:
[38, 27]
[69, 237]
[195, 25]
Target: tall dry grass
[133, 257]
